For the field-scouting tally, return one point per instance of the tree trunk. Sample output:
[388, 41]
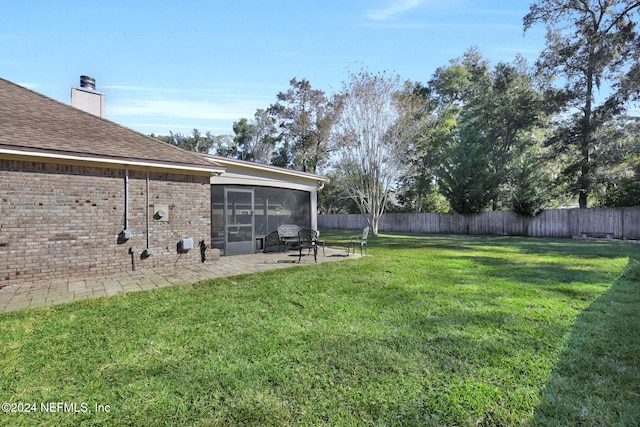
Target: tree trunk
[582, 199]
[587, 131]
[373, 221]
[419, 203]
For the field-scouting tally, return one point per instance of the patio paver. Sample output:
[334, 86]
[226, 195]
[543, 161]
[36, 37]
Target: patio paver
[48, 293]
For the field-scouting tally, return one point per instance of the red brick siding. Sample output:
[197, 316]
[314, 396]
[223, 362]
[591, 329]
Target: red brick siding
[58, 221]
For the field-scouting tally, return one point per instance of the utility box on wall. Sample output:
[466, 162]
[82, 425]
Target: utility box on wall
[161, 212]
[185, 244]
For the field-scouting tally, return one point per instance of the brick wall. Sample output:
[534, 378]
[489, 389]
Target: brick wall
[59, 221]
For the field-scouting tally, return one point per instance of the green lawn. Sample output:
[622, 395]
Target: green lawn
[429, 330]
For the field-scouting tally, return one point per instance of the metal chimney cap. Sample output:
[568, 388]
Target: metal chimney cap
[88, 82]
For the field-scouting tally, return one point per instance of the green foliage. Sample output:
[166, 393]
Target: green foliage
[465, 176]
[530, 186]
[255, 140]
[417, 189]
[419, 197]
[306, 118]
[618, 150]
[625, 193]
[591, 45]
[504, 107]
[333, 199]
[196, 142]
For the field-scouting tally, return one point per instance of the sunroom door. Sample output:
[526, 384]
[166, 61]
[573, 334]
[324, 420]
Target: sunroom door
[239, 222]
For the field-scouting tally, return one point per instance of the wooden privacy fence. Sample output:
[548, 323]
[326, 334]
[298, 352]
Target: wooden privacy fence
[617, 223]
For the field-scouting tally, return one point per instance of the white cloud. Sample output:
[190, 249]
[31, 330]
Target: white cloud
[395, 8]
[183, 109]
[162, 109]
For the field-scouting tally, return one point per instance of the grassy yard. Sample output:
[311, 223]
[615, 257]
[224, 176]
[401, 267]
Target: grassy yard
[429, 330]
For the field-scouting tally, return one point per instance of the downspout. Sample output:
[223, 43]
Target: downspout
[147, 248]
[147, 252]
[126, 198]
[314, 223]
[126, 233]
[132, 249]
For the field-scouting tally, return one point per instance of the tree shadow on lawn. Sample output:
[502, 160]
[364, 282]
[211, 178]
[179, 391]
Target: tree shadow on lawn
[525, 245]
[547, 276]
[596, 380]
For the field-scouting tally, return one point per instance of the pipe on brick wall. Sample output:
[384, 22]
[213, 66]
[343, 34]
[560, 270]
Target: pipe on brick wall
[126, 233]
[147, 251]
[147, 177]
[132, 251]
[126, 197]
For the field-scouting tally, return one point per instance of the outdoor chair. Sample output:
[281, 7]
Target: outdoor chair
[320, 242]
[360, 240]
[308, 239]
[272, 242]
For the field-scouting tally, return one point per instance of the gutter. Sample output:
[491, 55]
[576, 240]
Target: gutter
[262, 167]
[141, 163]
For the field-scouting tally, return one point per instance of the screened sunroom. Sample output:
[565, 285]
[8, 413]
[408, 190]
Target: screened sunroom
[249, 201]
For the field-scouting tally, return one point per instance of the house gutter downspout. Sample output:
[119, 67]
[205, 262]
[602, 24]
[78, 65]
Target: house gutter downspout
[147, 252]
[147, 248]
[126, 198]
[126, 233]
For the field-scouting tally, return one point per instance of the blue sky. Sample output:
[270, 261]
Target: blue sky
[178, 65]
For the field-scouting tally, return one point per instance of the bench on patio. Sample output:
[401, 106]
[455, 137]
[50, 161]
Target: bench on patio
[288, 234]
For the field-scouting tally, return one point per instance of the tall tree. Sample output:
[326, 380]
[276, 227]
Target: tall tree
[306, 118]
[591, 44]
[461, 155]
[529, 186]
[505, 111]
[619, 144]
[225, 146]
[333, 199]
[417, 189]
[255, 139]
[370, 156]
[492, 113]
[464, 174]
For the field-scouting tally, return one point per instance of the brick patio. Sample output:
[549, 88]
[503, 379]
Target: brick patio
[62, 291]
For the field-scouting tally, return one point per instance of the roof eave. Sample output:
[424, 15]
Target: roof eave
[113, 161]
[266, 168]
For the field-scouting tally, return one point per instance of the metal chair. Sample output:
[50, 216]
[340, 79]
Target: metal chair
[308, 239]
[320, 242]
[360, 240]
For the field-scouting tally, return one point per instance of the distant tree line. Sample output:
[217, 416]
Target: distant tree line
[474, 137]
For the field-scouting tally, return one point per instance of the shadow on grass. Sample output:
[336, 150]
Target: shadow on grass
[596, 380]
[548, 276]
[525, 245]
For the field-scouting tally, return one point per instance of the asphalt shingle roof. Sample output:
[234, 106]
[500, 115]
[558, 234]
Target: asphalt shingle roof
[31, 122]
